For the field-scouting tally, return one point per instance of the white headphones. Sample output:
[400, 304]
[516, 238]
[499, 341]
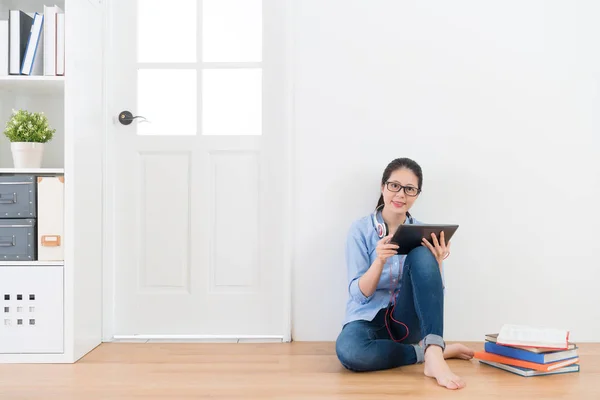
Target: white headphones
[380, 226]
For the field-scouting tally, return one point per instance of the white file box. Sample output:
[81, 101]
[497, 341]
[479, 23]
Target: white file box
[50, 224]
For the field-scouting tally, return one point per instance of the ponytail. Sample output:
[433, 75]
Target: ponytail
[380, 201]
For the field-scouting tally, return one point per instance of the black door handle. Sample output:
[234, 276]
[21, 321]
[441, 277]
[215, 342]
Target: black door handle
[126, 117]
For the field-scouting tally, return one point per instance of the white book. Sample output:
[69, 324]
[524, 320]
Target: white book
[34, 53]
[50, 44]
[60, 44]
[4, 47]
[520, 335]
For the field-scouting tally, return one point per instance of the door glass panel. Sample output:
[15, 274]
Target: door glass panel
[166, 30]
[232, 102]
[232, 30]
[167, 98]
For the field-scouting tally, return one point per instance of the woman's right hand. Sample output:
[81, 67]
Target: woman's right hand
[385, 249]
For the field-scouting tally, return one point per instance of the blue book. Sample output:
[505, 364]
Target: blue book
[33, 57]
[520, 354]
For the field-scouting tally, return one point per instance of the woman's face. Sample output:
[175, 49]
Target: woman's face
[394, 197]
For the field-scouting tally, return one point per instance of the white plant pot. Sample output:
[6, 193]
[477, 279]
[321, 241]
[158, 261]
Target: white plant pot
[27, 155]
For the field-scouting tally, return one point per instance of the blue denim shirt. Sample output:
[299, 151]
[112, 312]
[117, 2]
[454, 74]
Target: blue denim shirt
[360, 254]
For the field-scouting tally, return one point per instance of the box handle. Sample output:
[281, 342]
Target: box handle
[4, 200]
[8, 243]
[51, 240]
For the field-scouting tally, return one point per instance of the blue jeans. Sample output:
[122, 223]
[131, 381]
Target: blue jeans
[367, 345]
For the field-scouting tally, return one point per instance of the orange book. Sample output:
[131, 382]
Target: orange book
[482, 355]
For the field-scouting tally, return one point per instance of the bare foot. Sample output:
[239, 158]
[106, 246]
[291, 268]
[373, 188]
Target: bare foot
[457, 350]
[436, 367]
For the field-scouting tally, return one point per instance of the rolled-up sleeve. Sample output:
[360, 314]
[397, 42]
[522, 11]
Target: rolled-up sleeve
[357, 261]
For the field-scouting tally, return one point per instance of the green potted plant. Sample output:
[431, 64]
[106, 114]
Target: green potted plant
[28, 132]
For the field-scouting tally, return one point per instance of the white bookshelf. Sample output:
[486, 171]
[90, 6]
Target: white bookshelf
[31, 263]
[33, 171]
[74, 106]
[37, 84]
[24, 79]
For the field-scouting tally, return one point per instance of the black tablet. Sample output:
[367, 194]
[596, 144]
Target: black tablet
[409, 236]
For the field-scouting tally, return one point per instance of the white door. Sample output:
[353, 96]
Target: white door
[198, 185]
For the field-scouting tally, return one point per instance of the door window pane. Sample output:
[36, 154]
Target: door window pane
[232, 102]
[166, 30]
[167, 99]
[232, 30]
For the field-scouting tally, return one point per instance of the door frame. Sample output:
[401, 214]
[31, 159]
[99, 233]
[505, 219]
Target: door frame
[108, 186]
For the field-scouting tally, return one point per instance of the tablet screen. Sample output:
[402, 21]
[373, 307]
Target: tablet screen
[408, 237]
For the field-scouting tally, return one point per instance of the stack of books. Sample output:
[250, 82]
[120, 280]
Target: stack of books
[530, 351]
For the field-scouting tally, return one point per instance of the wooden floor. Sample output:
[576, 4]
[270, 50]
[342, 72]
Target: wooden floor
[271, 371]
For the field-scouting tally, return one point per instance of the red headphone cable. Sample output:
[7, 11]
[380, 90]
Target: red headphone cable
[392, 303]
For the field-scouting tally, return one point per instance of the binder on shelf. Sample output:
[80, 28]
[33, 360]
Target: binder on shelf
[33, 60]
[50, 31]
[60, 44]
[20, 26]
[4, 47]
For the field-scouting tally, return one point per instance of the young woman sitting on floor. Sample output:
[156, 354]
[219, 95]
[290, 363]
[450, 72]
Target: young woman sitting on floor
[395, 310]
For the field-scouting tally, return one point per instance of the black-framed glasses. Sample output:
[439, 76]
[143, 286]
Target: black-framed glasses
[408, 190]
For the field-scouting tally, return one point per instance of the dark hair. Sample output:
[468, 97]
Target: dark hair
[396, 164]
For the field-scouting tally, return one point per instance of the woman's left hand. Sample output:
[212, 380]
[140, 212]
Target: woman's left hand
[439, 248]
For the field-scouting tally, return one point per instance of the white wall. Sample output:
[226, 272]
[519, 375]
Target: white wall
[499, 104]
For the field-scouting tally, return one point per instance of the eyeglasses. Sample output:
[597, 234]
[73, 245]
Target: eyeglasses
[408, 190]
